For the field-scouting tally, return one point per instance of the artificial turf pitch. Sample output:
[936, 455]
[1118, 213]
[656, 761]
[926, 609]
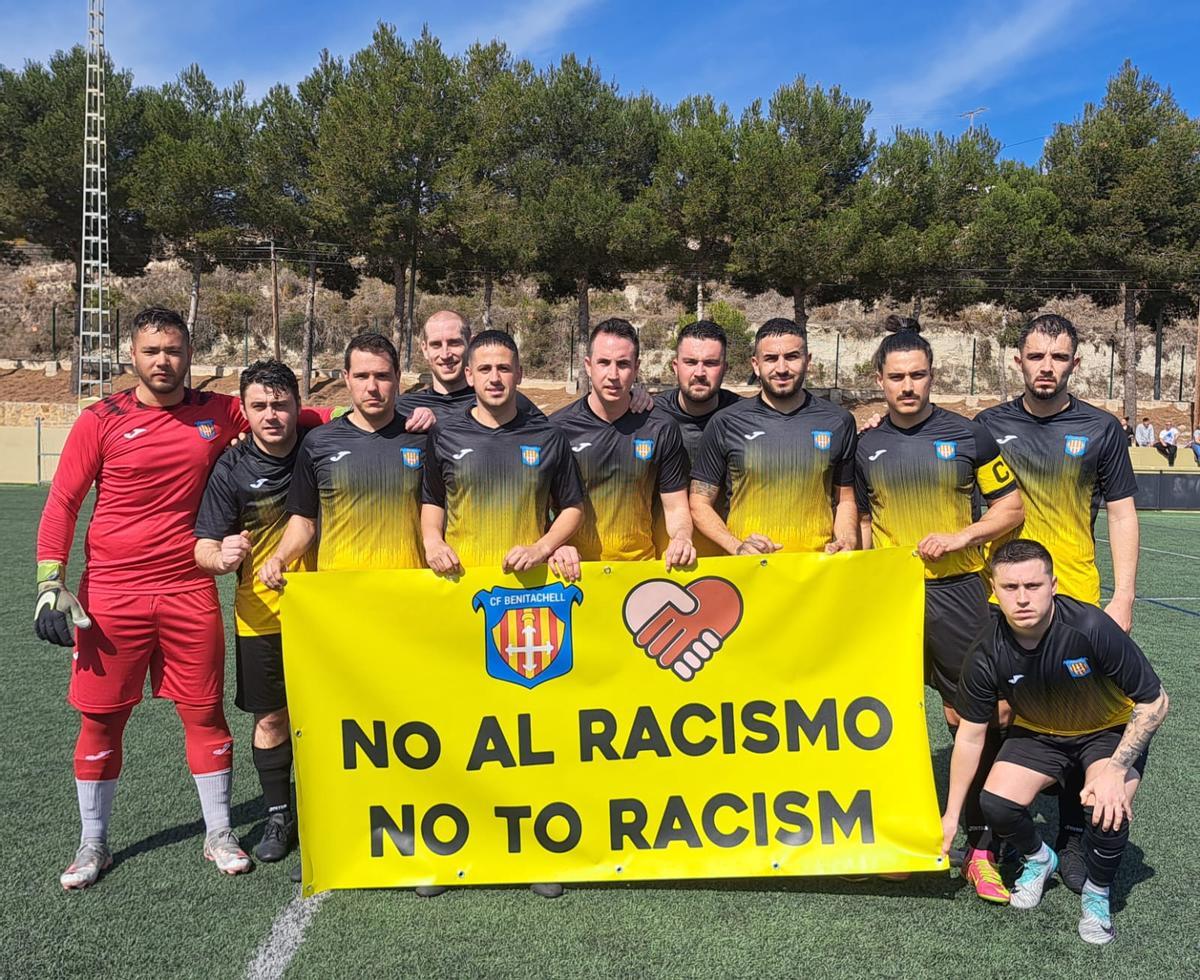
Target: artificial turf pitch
[164, 911]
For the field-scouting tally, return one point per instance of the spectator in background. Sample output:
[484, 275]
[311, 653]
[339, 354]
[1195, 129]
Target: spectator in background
[1196, 445]
[1127, 429]
[1143, 435]
[1166, 445]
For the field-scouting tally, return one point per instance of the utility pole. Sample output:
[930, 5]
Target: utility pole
[96, 363]
[1196, 378]
[693, 245]
[970, 115]
[275, 303]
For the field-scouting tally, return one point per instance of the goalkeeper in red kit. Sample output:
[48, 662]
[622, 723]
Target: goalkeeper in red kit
[143, 606]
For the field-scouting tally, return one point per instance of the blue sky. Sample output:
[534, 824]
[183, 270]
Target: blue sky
[1031, 62]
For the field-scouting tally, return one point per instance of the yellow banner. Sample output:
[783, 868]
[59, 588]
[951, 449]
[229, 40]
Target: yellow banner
[749, 717]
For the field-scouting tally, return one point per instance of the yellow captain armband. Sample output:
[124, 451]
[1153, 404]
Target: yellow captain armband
[993, 475]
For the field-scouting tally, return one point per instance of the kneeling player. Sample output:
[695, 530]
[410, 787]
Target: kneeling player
[1084, 696]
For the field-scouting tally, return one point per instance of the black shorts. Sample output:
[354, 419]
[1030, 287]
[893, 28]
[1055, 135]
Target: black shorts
[260, 673]
[1057, 755]
[956, 619]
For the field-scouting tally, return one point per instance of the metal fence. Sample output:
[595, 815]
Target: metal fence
[968, 364]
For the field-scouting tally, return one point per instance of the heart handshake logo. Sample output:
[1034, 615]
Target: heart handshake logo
[682, 626]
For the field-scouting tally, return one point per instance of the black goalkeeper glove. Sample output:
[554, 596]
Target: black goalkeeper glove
[57, 609]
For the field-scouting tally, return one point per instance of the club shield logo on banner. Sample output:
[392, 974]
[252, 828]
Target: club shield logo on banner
[747, 717]
[528, 632]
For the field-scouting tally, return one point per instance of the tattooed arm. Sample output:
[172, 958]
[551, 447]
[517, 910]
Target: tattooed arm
[1142, 724]
[1106, 790]
[708, 522]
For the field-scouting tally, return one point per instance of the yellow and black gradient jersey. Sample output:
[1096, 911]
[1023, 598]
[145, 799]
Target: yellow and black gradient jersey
[1065, 465]
[498, 486]
[780, 468]
[625, 465]
[247, 491]
[691, 428]
[922, 480]
[1085, 675]
[364, 490]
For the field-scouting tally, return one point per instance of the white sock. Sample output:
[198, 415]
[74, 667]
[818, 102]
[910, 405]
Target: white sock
[215, 788]
[1042, 854]
[1091, 886]
[95, 807]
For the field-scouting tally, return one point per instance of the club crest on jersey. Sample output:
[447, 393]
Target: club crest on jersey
[207, 429]
[945, 448]
[1075, 445]
[1078, 667]
[643, 449]
[531, 455]
[411, 457]
[527, 632]
[822, 439]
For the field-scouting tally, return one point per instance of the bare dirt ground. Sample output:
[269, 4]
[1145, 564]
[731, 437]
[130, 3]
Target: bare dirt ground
[21, 385]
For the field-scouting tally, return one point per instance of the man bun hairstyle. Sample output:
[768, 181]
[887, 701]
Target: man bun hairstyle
[159, 318]
[703, 330]
[271, 374]
[373, 343]
[1021, 550]
[1050, 325]
[492, 338]
[895, 323]
[614, 326]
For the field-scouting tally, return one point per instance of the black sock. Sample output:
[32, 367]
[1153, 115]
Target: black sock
[979, 836]
[1102, 850]
[1011, 822]
[275, 775]
[1071, 819]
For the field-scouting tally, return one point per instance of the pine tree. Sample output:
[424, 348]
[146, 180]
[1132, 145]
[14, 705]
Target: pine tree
[190, 179]
[1128, 174]
[797, 167]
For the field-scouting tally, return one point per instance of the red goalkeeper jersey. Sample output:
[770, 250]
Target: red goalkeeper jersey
[149, 466]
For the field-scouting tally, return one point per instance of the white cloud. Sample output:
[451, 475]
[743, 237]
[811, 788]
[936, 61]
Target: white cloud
[526, 27]
[974, 59]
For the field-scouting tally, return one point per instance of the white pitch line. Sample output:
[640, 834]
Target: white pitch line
[1155, 551]
[282, 943]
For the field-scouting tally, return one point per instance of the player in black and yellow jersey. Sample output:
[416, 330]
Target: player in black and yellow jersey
[500, 487]
[358, 477]
[238, 526]
[1084, 696]
[787, 457]
[1068, 457]
[917, 474]
[699, 364]
[627, 459]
